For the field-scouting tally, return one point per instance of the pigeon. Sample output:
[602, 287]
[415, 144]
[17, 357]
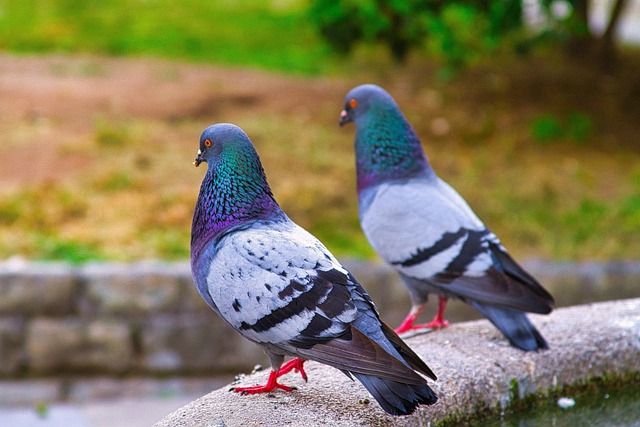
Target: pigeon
[427, 232]
[279, 286]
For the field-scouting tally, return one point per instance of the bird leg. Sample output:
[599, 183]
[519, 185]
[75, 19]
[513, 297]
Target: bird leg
[407, 323]
[438, 321]
[271, 385]
[296, 365]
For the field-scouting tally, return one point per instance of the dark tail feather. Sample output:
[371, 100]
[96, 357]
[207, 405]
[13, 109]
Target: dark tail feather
[397, 398]
[513, 269]
[514, 325]
[406, 352]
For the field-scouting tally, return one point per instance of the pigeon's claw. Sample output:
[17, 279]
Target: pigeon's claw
[436, 324]
[408, 323]
[303, 374]
[296, 365]
[270, 386]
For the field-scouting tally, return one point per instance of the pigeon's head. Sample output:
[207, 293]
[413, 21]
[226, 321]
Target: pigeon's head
[234, 189]
[218, 139]
[362, 99]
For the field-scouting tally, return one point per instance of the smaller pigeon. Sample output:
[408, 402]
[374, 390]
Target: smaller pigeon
[424, 229]
[281, 288]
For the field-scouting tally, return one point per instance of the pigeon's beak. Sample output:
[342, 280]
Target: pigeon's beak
[344, 118]
[199, 159]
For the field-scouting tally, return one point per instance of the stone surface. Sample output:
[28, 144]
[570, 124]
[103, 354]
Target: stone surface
[102, 388]
[71, 345]
[82, 390]
[200, 342]
[11, 345]
[191, 301]
[135, 289]
[37, 288]
[583, 283]
[15, 393]
[477, 372]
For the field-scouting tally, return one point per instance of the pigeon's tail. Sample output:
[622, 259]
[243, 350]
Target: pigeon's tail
[514, 325]
[397, 398]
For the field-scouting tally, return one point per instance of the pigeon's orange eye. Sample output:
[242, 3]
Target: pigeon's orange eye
[207, 142]
[353, 103]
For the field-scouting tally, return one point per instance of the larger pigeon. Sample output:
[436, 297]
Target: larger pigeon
[423, 228]
[280, 287]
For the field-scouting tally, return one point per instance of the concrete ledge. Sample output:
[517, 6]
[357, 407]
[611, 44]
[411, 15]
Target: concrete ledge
[478, 373]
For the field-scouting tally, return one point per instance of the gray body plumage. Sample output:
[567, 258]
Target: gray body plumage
[423, 228]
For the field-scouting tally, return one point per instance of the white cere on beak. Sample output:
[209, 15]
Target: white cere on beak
[343, 114]
[199, 151]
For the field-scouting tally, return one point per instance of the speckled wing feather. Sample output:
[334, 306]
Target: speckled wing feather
[266, 281]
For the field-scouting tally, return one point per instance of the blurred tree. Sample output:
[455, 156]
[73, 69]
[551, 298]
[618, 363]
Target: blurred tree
[399, 24]
[575, 23]
[459, 30]
[405, 24]
[608, 37]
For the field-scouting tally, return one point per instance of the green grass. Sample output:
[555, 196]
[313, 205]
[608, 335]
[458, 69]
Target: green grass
[267, 34]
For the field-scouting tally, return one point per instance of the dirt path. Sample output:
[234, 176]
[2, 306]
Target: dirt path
[50, 106]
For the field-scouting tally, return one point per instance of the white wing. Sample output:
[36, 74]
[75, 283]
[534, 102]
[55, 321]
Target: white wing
[267, 282]
[409, 223]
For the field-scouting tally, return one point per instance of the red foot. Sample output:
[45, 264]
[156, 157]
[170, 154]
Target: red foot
[296, 365]
[407, 324]
[437, 322]
[270, 386]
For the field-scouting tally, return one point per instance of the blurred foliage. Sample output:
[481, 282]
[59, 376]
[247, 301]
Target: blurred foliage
[547, 128]
[579, 126]
[38, 213]
[457, 30]
[55, 248]
[460, 31]
[267, 34]
[111, 135]
[461, 35]
[277, 34]
[42, 409]
[562, 17]
[117, 180]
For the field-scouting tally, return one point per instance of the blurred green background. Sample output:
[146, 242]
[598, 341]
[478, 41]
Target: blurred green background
[529, 112]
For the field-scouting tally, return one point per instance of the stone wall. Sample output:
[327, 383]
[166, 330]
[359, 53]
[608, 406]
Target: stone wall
[144, 318]
[147, 318]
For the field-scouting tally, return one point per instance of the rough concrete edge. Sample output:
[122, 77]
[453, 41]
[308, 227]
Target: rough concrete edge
[478, 373]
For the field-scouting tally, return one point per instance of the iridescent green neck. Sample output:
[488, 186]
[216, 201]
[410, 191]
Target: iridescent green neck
[387, 148]
[233, 192]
